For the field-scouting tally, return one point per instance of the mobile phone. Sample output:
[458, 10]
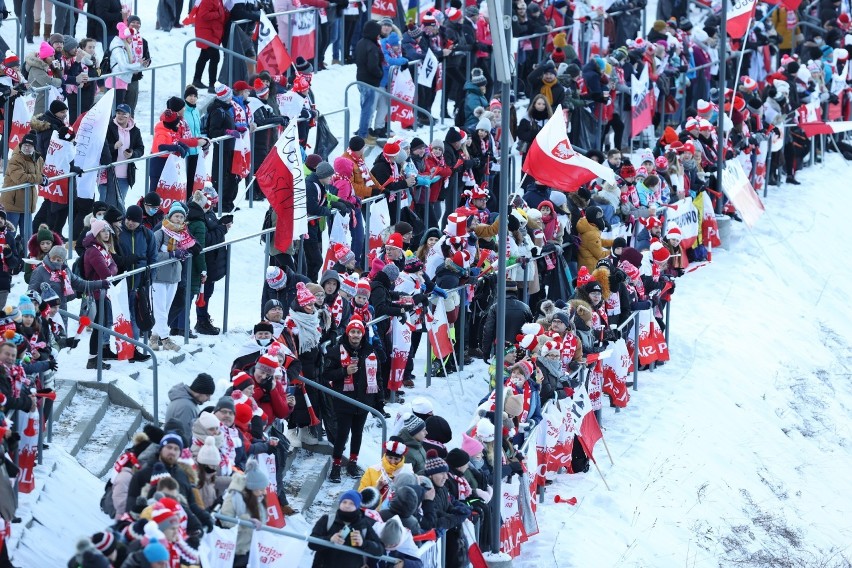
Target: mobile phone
[291, 391]
[344, 532]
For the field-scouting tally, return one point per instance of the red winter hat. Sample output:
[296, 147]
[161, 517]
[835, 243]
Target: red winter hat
[394, 240]
[165, 513]
[303, 295]
[628, 171]
[454, 14]
[241, 86]
[363, 288]
[260, 87]
[395, 448]
[301, 84]
[355, 323]
[651, 222]
[428, 18]
[583, 276]
[749, 84]
[461, 258]
[478, 193]
[689, 147]
[169, 116]
[456, 225]
[659, 252]
[391, 149]
[342, 253]
[739, 104]
[704, 107]
[241, 380]
[268, 361]
[673, 232]
[525, 367]
[242, 414]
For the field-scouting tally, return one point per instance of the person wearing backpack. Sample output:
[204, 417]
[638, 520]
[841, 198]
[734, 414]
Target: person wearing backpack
[121, 61]
[137, 250]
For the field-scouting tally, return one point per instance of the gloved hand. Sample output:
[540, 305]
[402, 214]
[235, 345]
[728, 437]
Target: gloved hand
[424, 180]
[241, 128]
[164, 248]
[54, 365]
[420, 299]
[516, 467]
[183, 149]
[339, 206]
[65, 133]
[180, 254]
[573, 366]
[612, 335]
[232, 133]
[71, 342]
[131, 259]
[106, 284]
[404, 66]
[475, 271]
[440, 292]
[76, 169]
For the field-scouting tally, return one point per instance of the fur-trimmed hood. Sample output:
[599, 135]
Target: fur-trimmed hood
[601, 275]
[33, 61]
[582, 308]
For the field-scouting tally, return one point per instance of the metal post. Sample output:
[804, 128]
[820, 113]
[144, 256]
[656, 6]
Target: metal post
[636, 353]
[220, 181]
[7, 123]
[720, 125]
[497, 466]
[316, 41]
[366, 236]
[187, 299]
[444, 90]
[27, 229]
[40, 434]
[526, 283]
[72, 190]
[153, 96]
[668, 315]
[462, 323]
[100, 350]
[428, 356]
[228, 283]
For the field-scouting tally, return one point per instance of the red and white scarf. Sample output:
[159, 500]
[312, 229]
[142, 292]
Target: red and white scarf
[362, 165]
[362, 311]
[345, 361]
[336, 310]
[371, 367]
[179, 237]
[136, 47]
[61, 276]
[465, 490]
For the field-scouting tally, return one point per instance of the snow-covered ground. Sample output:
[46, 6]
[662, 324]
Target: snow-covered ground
[734, 453]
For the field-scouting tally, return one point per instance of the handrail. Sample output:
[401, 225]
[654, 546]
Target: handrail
[147, 348]
[305, 538]
[383, 92]
[153, 70]
[214, 46]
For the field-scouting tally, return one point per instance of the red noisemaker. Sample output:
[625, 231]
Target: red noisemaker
[200, 302]
[314, 420]
[85, 321]
[46, 395]
[569, 500]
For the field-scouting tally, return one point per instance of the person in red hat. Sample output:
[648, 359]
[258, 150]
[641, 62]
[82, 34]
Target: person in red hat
[389, 174]
[269, 389]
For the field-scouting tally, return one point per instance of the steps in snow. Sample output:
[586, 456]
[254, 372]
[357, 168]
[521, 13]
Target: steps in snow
[94, 421]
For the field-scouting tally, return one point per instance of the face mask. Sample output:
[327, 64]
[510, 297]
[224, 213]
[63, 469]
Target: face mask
[100, 216]
[264, 342]
[819, 41]
[28, 151]
[477, 463]
[151, 210]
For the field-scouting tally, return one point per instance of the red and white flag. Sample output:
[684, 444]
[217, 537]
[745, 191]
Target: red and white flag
[22, 113]
[379, 221]
[709, 226]
[736, 186]
[121, 320]
[272, 55]
[282, 181]
[201, 174]
[402, 86]
[92, 131]
[401, 341]
[790, 5]
[740, 13]
[553, 162]
[171, 186]
[474, 553]
[816, 128]
[27, 450]
[303, 34]
[241, 160]
[642, 112]
[275, 517]
[439, 331]
[57, 163]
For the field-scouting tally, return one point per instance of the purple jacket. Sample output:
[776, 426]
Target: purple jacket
[96, 266]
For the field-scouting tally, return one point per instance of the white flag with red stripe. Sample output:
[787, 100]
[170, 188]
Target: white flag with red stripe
[474, 553]
[171, 186]
[740, 13]
[553, 162]
[121, 321]
[201, 175]
[816, 128]
[272, 56]
[439, 331]
[22, 113]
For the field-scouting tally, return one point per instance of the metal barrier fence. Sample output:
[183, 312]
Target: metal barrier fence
[383, 93]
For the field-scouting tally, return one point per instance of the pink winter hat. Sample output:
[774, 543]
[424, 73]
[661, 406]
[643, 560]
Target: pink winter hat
[344, 166]
[45, 50]
[471, 445]
[123, 31]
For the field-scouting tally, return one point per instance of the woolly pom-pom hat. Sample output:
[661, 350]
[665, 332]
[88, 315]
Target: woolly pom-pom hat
[435, 464]
[276, 278]
[255, 478]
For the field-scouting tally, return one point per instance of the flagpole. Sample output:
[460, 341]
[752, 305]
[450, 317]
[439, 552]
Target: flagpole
[720, 124]
[594, 461]
[607, 449]
[737, 78]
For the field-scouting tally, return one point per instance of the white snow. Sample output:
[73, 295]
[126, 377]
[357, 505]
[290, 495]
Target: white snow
[734, 453]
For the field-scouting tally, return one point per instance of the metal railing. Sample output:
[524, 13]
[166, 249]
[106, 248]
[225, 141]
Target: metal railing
[212, 45]
[101, 330]
[78, 11]
[383, 93]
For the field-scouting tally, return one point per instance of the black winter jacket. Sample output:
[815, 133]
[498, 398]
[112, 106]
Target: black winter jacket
[331, 558]
[368, 55]
[137, 146]
[335, 375]
[517, 314]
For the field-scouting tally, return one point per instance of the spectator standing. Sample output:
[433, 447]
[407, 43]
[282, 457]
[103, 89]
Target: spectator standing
[43, 69]
[25, 166]
[369, 70]
[122, 61]
[184, 401]
[139, 54]
[137, 248]
[347, 527]
[210, 21]
[98, 264]
[123, 142]
[221, 122]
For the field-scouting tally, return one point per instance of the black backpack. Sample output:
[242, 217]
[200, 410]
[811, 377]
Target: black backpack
[107, 506]
[145, 305]
[579, 460]
[77, 270]
[106, 63]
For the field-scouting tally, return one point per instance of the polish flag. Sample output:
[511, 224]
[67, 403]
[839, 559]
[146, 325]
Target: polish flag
[439, 331]
[589, 433]
[815, 128]
[22, 113]
[282, 181]
[272, 56]
[474, 553]
[740, 13]
[201, 175]
[171, 186]
[553, 162]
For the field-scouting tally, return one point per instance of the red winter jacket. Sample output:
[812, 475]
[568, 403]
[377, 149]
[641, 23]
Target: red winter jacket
[273, 406]
[210, 22]
[436, 168]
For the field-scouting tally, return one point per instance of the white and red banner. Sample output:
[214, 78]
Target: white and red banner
[201, 174]
[740, 13]
[615, 370]
[474, 553]
[736, 186]
[402, 86]
[709, 226]
[684, 215]
[218, 548]
[553, 162]
[90, 136]
[241, 160]
[121, 320]
[270, 550]
[303, 35]
[642, 112]
[379, 222]
[272, 56]
[816, 128]
[760, 166]
[428, 70]
[439, 331]
[22, 113]
[282, 181]
[401, 341]
[652, 341]
[274, 515]
[290, 104]
[28, 449]
[171, 186]
[57, 163]
[383, 8]
[512, 530]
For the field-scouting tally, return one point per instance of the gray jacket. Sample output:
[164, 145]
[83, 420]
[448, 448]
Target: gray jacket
[183, 409]
[168, 273]
[38, 77]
